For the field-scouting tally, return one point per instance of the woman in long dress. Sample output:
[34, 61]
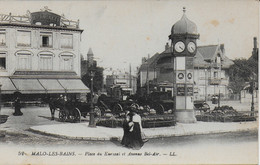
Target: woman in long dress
[136, 138]
[127, 126]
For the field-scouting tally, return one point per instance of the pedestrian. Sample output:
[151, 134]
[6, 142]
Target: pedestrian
[136, 137]
[17, 107]
[52, 107]
[127, 126]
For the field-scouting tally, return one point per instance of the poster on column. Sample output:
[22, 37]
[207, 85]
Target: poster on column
[189, 89]
[89, 82]
[180, 89]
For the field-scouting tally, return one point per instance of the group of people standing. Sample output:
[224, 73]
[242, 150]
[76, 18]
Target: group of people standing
[133, 134]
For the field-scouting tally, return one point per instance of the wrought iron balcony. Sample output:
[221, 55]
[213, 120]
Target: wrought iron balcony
[214, 81]
[26, 19]
[216, 65]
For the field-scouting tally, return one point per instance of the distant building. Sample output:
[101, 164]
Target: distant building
[123, 80]
[40, 54]
[88, 66]
[210, 71]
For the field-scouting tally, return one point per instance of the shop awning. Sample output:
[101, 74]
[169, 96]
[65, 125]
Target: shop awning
[51, 86]
[73, 86]
[7, 86]
[28, 86]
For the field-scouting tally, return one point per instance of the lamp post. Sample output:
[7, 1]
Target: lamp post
[2, 134]
[252, 103]
[206, 80]
[91, 113]
[0, 97]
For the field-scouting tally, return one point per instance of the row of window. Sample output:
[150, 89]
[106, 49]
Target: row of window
[23, 39]
[24, 61]
[214, 74]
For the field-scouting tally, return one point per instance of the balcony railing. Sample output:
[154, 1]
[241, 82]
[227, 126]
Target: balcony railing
[214, 81]
[216, 65]
[14, 19]
[26, 19]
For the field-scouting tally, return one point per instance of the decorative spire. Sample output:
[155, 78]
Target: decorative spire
[45, 8]
[90, 51]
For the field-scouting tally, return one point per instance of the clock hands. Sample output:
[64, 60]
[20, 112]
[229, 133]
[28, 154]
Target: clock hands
[181, 48]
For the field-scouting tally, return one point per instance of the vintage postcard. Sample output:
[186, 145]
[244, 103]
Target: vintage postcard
[129, 82]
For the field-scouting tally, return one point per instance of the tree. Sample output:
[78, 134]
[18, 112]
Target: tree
[86, 78]
[241, 72]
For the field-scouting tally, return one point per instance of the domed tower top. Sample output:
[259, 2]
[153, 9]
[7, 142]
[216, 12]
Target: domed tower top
[184, 26]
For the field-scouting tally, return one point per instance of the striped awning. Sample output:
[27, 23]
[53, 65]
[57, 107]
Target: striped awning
[7, 87]
[36, 85]
[73, 86]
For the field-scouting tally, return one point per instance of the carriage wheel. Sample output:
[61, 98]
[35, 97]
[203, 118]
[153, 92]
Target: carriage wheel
[76, 117]
[102, 110]
[62, 115]
[134, 105]
[159, 109]
[147, 108]
[117, 109]
[97, 113]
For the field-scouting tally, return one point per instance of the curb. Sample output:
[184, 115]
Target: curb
[116, 138]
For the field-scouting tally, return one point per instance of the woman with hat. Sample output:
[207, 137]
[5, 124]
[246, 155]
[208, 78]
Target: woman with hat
[136, 138]
[127, 127]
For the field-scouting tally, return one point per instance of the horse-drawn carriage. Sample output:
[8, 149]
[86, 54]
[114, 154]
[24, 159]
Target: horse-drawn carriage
[159, 102]
[114, 105]
[72, 110]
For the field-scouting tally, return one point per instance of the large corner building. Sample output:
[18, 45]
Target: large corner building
[40, 54]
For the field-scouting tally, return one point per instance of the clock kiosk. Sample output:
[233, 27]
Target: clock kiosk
[183, 36]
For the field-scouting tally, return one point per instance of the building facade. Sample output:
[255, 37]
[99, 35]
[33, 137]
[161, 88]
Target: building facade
[210, 71]
[40, 53]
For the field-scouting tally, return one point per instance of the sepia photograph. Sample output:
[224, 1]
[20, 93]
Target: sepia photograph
[129, 82]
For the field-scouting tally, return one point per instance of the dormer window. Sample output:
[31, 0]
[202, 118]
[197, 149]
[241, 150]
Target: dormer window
[46, 40]
[218, 59]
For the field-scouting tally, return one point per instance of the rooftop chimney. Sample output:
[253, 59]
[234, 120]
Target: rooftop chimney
[255, 42]
[143, 60]
[222, 48]
[167, 46]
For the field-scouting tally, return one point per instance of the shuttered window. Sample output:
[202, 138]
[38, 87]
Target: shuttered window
[67, 41]
[23, 38]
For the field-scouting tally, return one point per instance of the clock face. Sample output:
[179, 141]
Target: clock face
[179, 46]
[191, 47]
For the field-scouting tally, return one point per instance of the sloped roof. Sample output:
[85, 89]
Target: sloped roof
[203, 55]
[207, 51]
[151, 62]
[226, 62]
[199, 60]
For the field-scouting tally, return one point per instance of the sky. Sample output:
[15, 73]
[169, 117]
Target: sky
[121, 32]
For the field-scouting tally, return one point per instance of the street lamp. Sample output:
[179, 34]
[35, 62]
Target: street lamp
[91, 113]
[2, 134]
[252, 85]
[206, 80]
[0, 97]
